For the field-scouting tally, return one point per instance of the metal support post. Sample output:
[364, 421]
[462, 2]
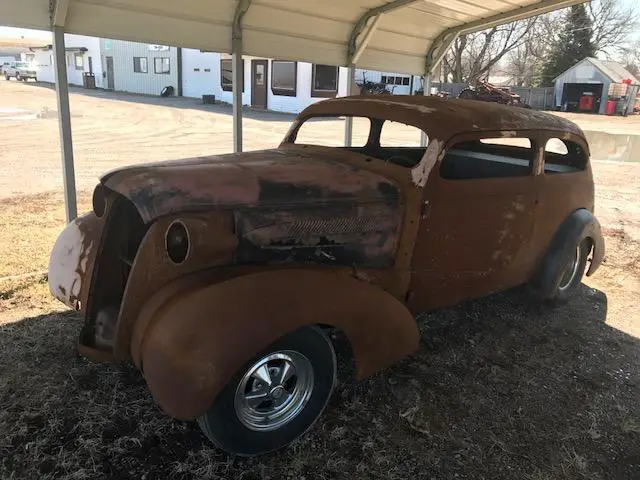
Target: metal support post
[238, 83]
[348, 126]
[64, 122]
[426, 92]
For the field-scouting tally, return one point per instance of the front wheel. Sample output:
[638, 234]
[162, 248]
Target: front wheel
[18, 77]
[275, 397]
[7, 77]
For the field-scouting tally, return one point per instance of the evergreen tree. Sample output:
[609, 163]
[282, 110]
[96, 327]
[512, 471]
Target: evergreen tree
[572, 45]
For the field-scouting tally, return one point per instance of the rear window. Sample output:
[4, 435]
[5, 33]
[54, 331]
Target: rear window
[563, 156]
[488, 158]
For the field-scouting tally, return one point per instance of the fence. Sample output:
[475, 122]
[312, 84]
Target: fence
[540, 98]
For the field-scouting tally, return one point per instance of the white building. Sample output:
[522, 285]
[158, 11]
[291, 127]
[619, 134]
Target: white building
[397, 84]
[278, 85]
[283, 86]
[140, 67]
[83, 56]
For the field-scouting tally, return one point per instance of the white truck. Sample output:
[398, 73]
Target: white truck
[20, 71]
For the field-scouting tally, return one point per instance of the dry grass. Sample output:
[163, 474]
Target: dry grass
[500, 388]
[30, 225]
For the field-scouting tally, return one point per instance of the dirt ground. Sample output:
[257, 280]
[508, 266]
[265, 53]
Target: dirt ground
[500, 388]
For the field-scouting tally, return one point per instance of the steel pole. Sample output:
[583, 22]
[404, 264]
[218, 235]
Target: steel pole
[348, 126]
[238, 82]
[64, 123]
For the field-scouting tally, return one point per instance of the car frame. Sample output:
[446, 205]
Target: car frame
[219, 276]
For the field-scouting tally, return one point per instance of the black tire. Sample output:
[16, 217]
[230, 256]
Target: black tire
[222, 425]
[7, 77]
[18, 77]
[167, 91]
[564, 283]
[468, 94]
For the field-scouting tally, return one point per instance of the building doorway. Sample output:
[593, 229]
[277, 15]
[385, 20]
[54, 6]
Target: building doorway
[259, 74]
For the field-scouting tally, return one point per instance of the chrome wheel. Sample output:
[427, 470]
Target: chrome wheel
[274, 390]
[571, 270]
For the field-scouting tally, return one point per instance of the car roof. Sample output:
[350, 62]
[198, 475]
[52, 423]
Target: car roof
[444, 118]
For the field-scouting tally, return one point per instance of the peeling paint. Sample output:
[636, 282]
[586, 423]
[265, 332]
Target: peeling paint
[68, 263]
[420, 174]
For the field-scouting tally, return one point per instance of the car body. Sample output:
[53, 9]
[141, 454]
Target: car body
[20, 71]
[193, 268]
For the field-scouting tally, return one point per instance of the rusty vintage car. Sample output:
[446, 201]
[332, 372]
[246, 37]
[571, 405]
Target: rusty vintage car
[220, 276]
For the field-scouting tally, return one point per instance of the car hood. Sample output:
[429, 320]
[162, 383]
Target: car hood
[282, 177]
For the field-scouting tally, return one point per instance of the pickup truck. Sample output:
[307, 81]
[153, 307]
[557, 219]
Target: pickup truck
[21, 71]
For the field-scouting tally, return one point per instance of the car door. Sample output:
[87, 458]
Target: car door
[478, 218]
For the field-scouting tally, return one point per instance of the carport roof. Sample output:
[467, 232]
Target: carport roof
[319, 31]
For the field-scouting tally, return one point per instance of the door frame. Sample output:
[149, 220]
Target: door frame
[256, 102]
[110, 80]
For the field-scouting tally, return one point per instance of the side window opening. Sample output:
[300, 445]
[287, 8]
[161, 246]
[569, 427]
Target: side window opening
[314, 132]
[563, 156]
[400, 144]
[497, 157]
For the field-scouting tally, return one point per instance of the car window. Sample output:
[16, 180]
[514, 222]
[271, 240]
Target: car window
[329, 131]
[396, 134]
[563, 156]
[488, 158]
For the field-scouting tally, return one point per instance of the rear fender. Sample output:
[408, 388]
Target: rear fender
[574, 229]
[199, 338]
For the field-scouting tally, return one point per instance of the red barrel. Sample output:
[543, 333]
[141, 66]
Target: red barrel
[610, 108]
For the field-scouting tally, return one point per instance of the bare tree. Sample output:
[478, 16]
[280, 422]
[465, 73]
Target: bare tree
[521, 47]
[612, 24]
[472, 56]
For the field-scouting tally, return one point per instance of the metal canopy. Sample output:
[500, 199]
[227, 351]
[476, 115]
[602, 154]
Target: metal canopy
[317, 31]
[404, 36]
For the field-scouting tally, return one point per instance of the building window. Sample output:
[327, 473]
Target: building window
[140, 65]
[324, 81]
[79, 61]
[162, 65]
[226, 74]
[283, 78]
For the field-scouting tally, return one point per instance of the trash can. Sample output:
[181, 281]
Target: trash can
[208, 99]
[89, 80]
[610, 108]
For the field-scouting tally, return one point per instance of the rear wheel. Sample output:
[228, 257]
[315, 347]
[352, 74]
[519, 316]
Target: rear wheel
[7, 77]
[275, 397]
[18, 77]
[570, 275]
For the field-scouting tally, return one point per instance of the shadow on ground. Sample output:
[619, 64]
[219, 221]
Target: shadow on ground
[500, 388]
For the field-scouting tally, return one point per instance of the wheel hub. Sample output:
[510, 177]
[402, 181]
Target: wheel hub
[274, 390]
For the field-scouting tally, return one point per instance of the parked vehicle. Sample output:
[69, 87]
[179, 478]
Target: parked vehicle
[20, 71]
[219, 277]
[486, 92]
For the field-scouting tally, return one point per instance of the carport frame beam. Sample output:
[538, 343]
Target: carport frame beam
[237, 72]
[64, 123]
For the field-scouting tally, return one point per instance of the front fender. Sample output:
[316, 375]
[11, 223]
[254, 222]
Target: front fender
[200, 338]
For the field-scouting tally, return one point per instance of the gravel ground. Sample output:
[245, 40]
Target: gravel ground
[500, 388]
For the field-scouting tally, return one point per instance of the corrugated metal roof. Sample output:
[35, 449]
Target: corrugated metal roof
[308, 30]
[615, 71]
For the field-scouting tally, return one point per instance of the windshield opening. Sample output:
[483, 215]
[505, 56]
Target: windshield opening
[392, 142]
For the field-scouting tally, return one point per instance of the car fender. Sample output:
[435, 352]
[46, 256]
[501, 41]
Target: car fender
[579, 225]
[198, 339]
